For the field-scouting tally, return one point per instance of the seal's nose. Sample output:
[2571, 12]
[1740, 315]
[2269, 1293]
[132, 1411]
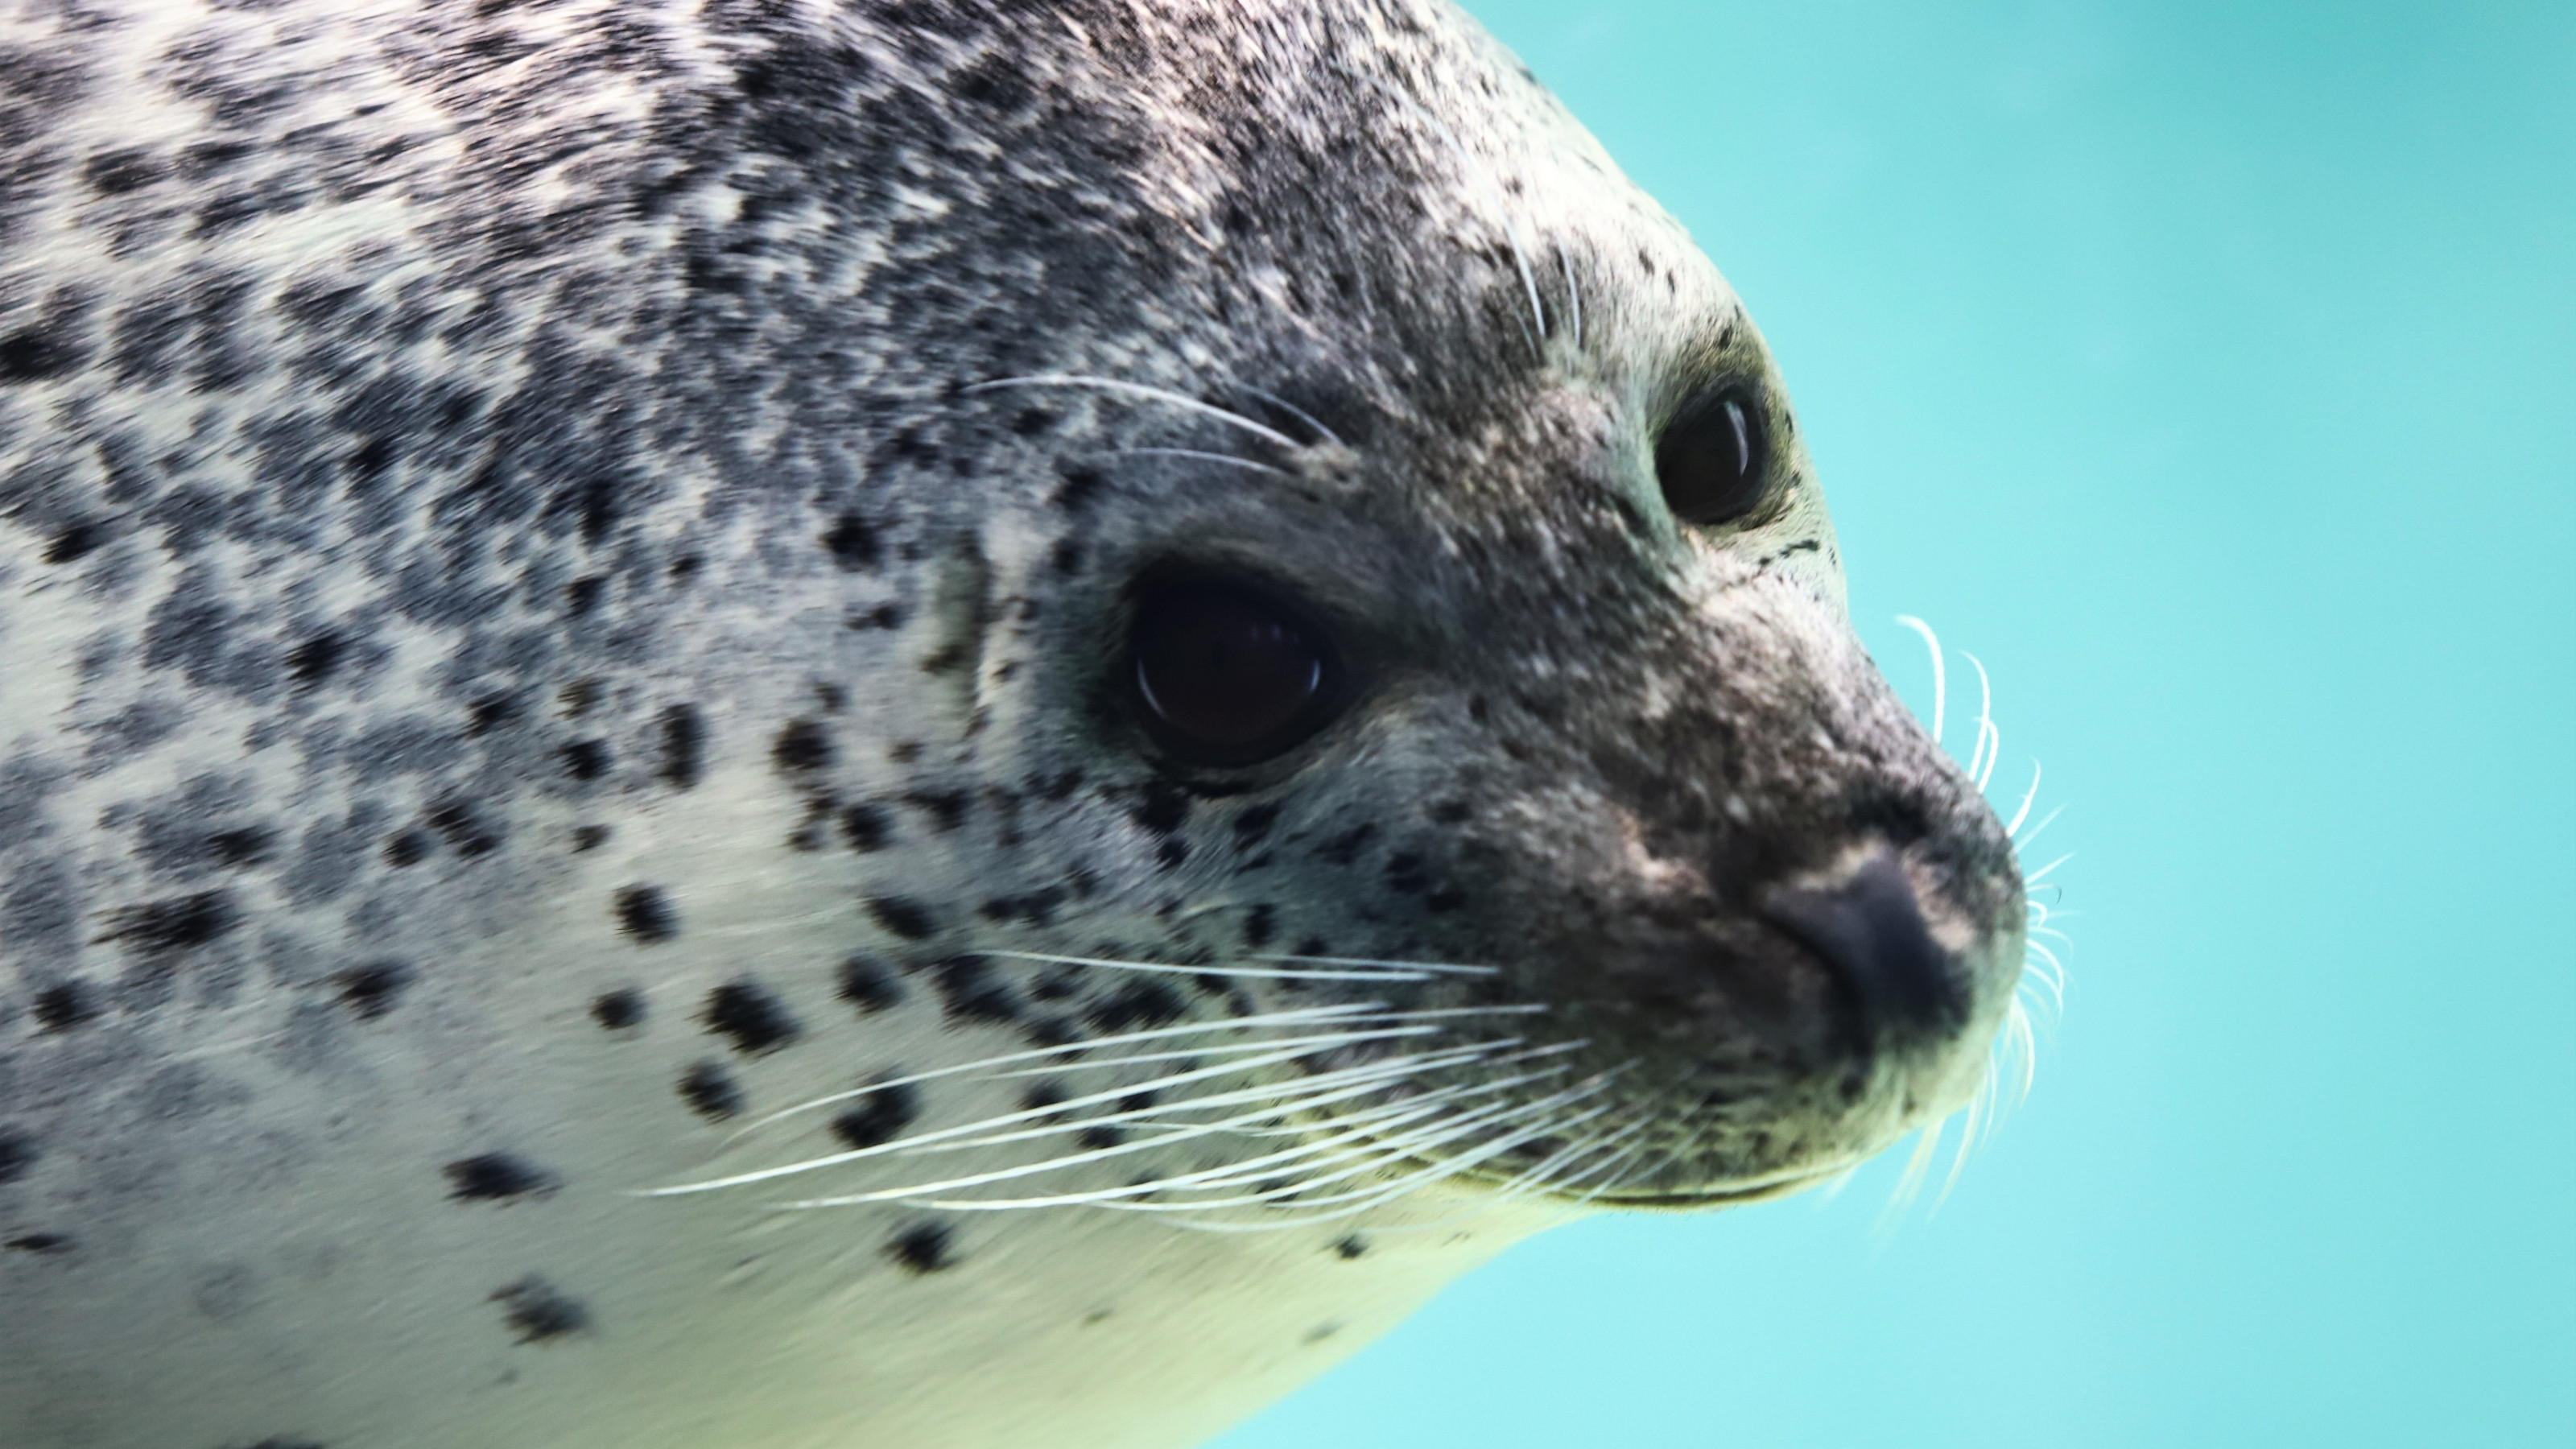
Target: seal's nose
[1870, 931]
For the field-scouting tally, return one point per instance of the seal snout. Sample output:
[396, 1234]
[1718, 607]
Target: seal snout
[1900, 984]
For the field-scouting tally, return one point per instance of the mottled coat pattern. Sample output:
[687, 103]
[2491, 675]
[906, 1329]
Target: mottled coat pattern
[565, 571]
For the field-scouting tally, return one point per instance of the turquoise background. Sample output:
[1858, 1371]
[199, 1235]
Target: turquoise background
[2210, 370]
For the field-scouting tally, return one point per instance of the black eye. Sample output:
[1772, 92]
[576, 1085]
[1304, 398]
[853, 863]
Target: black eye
[1710, 461]
[1226, 677]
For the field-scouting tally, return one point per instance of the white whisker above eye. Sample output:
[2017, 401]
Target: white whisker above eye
[1145, 391]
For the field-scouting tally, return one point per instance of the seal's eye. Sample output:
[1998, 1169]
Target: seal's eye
[1710, 461]
[1226, 677]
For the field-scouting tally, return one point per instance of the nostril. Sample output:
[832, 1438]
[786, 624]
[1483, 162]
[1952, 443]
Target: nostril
[1870, 931]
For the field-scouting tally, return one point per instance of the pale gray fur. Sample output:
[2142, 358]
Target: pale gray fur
[504, 525]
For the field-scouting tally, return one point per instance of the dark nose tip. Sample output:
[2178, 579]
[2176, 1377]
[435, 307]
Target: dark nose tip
[1870, 931]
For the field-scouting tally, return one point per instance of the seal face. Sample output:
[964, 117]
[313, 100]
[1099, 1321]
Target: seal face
[915, 724]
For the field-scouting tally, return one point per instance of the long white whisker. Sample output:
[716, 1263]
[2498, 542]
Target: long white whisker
[1438, 967]
[1990, 740]
[1306, 1016]
[1399, 1112]
[1142, 390]
[1940, 670]
[2044, 822]
[1256, 972]
[920, 1140]
[2027, 796]
[2035, 877]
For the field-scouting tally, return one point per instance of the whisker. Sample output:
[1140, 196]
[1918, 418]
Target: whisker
[1198, 455]
[2027, 796]
[921, 1141]
[1990, 740]
[1142, 390]
[1484, 178]
[1300, 414]
[2044, 822]
[1089, 1156]
[1573, 299]
[2035, 877]
[1440, 968]
[1253, 972]
[1940, 670]
[1301, 1017]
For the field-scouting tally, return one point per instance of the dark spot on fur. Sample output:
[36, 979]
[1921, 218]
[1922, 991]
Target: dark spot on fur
[39, 1243]
[1450, 812]
[537, 1312]
[877, 1118]
[643, 914]
[1097, 1139]
[866, 984]
[1171, 853]
[74, 542]
[464, 832]
[864, 826]
[710, 1091]
[1260, 925]
[618, 1010]
[906, 918]
[1137, 1004]
[1350, 1247]
[946, 808]
[486, 714]
[114, 173]
[586, 759]
[968, 992]
[371, 990]
[246, 846]
[582, 595]
[32, 354]
[684, 742]
[495, 1177]
[17, 1154]
[589, 837]
[1066, 557]
[577, 697]
[746, 1012]
[1164, 808]
[1032, 421]
[273, 1443]
[1406, 874]
[409, 847]
[1344, 848]
[1253, 825]
[922, 1248]
[62, 1006]
[853, 544]
[1081, 484]
[178, 924]
[1051, 1031]
[802, 746]
[684, 569]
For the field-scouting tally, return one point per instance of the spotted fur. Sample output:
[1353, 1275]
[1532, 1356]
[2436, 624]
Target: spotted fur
[562, 578]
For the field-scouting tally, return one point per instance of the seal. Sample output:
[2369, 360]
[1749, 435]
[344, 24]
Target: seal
[909, 722]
